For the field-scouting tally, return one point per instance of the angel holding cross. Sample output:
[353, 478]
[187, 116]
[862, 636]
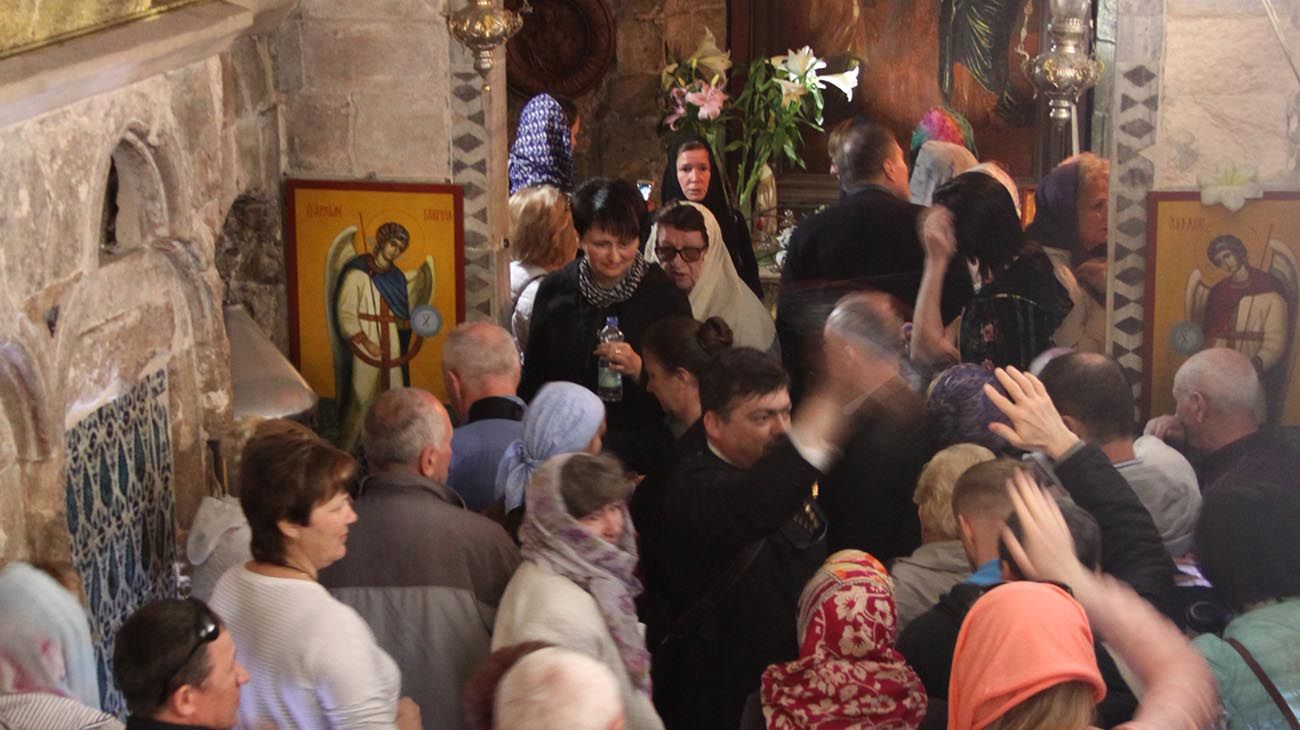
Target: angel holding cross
[370, 302]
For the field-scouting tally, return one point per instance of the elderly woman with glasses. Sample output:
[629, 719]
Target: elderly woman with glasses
[312, 661]
[687, 243]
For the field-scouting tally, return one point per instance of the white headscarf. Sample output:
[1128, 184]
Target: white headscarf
[720, 292]
[937, 163]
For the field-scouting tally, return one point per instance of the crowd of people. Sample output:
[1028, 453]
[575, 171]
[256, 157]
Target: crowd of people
[917, 499]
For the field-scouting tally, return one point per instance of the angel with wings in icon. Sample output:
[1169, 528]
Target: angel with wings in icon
[1251, 310]
[368, 306]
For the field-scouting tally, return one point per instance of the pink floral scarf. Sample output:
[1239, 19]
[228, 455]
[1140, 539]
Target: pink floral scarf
[848, 674]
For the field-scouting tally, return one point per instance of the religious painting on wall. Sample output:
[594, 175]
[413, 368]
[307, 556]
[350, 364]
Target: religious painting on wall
[966, 54]
[1216, 278]
[61, 20]
[375, 282]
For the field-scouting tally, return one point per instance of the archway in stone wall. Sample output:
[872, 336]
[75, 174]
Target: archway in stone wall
[140, 353]
[135, 208]
[24, 440]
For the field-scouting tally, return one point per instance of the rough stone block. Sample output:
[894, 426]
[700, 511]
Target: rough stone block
[319, 133]
[287, 48]
[402, 136]
[1222, 55]
[1139, 38]
[641, 46]
[635, 95]
[1246, 129]
[349, 56]
[371, 9]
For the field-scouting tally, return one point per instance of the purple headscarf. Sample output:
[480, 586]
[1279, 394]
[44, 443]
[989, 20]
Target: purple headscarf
[1056, 216]
[958, 411]
[541, 154]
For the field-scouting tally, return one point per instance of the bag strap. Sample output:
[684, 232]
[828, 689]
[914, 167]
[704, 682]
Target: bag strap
[514, 301]
[683, 626]
[1268, 683]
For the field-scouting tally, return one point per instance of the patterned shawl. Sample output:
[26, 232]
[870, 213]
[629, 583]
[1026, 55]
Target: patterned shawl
[848, 674]
[601, 298]
[541, 154]
[552, 537]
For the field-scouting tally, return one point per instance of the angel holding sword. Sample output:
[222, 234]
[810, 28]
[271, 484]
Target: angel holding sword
[369, 303]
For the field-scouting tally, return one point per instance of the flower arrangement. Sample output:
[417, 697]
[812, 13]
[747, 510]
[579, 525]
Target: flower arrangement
[694, 92]
[781, 98]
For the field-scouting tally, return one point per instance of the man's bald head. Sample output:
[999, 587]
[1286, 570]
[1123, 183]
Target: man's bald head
[479, 359]
[1218, 396]
[407, 429]
[1225, 377]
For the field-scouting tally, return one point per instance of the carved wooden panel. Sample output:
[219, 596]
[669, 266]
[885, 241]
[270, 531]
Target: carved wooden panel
[565, 47]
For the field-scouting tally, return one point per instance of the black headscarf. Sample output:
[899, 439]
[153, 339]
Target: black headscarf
[735, 233]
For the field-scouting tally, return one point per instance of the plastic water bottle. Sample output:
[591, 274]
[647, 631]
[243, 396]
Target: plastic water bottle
[609, 382]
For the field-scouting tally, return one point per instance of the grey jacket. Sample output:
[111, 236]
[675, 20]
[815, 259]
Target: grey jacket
[427, 575]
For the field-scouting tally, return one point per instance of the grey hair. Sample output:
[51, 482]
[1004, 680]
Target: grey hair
[557, 689]
[871, 318]
[588, 483]
[1225, 377]
[480, 349]
[399, 425]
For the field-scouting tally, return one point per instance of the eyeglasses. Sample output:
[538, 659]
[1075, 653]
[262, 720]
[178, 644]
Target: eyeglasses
[689, 254]
[206, 631]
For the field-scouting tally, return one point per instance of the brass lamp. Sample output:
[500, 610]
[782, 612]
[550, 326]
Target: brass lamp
[1065, 70]
[481, 26]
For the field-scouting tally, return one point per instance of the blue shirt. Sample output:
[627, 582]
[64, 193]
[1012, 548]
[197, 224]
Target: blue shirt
[477, 448]
[987, 574]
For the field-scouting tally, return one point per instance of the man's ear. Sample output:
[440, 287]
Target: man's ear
[712, 424]
[182, 701]
[428, 458]
[453, 383]
[1200, 406]
[1075, 426]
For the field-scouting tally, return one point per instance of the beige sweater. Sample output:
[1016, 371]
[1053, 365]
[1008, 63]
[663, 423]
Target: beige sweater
[539, 605]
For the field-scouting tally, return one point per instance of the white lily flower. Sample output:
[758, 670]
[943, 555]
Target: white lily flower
[790, 92]
[709, 56]
[1230, 186]
[845, 81]
[798, 64]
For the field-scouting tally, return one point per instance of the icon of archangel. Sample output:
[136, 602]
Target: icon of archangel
[369, 302]
[1251, 310]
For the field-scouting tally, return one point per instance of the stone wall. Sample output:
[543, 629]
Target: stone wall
[620, 117]
[1228, 92]
[81, 324]
[1197, 82]
[381, 91]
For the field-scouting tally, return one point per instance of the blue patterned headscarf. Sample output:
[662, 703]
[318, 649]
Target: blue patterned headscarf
[541, 154]
[562, 419]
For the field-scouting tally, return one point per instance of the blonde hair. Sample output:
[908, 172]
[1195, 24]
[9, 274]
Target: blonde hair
[1094, 174]
[933, 495]
[1064, 706]
[541, 227]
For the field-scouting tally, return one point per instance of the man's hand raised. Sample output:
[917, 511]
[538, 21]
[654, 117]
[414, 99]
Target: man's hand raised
[1035, 423]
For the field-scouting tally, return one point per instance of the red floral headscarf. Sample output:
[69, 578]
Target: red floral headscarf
[848, 674]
